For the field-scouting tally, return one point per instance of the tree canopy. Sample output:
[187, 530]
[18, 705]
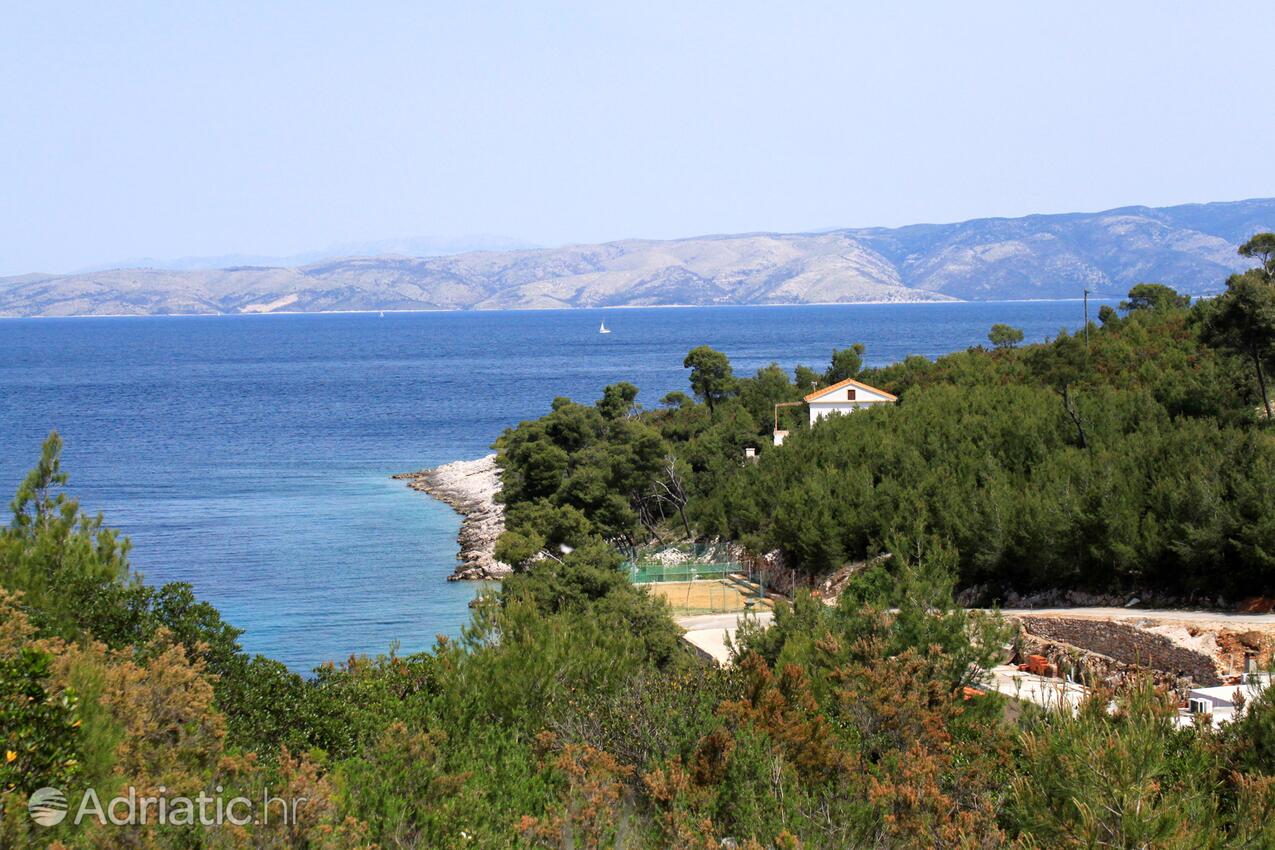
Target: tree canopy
[846, 363]
[1005, 336]
[1125, 460]
[1243, 318]
[1154, 296]
[1261, 247]
[711, 375]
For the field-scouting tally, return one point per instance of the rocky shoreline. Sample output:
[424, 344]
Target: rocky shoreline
[469, 487]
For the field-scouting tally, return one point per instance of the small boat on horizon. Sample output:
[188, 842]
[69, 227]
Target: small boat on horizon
[603, 329]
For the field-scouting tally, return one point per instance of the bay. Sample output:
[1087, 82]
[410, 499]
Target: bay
[251, 455]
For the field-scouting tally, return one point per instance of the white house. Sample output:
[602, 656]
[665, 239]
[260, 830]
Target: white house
[845, 397]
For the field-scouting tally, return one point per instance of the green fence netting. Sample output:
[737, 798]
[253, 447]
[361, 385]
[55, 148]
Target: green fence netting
[688, 571]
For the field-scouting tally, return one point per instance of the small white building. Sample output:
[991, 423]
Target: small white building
[845, 397]
[1225, 702]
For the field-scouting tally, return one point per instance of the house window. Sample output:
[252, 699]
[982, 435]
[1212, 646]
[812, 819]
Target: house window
[850, 395]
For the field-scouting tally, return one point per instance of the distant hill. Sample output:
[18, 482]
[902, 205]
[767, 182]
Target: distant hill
[1190, 247]
[422, 246]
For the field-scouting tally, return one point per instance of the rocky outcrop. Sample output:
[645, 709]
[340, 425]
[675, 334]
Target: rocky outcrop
[469, 487]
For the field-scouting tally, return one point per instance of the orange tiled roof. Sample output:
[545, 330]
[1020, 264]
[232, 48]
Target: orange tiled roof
[849, 382]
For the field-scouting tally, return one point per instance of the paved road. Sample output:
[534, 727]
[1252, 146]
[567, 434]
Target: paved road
[708, 632]
[1050, 693]
[1164, 614]
[722, 621]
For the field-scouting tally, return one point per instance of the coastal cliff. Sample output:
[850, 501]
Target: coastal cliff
[469, 487]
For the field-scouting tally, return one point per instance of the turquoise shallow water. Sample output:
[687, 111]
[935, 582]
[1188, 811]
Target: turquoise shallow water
[251, 455]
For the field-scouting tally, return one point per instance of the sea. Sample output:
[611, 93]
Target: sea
[251, 455]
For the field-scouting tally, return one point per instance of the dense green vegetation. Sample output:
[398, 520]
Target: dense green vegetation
[570, 715]
[1130, 455]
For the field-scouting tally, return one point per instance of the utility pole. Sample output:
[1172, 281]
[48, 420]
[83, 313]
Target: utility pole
[1086, 320]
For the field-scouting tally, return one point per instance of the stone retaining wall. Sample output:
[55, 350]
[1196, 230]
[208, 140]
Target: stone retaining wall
[1092, 669]
[1127, 645]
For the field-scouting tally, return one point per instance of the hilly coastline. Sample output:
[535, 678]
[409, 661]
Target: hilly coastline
[1190, 247]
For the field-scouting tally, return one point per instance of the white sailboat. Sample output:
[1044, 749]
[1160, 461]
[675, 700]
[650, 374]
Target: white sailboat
[603, 329]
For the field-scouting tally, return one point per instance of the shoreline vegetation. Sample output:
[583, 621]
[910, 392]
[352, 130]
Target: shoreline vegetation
[469, 487]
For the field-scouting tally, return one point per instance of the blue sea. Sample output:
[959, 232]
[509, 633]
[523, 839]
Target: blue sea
[251, 455]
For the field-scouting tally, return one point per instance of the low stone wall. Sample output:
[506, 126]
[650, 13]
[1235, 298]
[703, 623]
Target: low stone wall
[1128, 645]
[1092, 669]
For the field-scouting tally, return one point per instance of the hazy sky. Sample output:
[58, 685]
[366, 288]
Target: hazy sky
[173, 129]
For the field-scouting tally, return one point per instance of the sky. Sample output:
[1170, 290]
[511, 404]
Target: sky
[180, 129]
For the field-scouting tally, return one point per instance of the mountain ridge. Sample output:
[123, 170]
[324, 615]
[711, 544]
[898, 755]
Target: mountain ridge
[1042, 256]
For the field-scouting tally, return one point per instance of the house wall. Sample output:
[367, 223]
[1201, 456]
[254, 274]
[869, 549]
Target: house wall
[820, 409]
[840, 401]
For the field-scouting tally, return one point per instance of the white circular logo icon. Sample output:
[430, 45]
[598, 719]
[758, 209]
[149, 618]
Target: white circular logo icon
[47, 806]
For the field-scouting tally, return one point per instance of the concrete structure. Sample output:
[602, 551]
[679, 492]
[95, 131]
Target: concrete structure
[1224, 703]
[845, 397]
[1046, 692]
[709, 634]
[1222, 696]
[781, 435]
